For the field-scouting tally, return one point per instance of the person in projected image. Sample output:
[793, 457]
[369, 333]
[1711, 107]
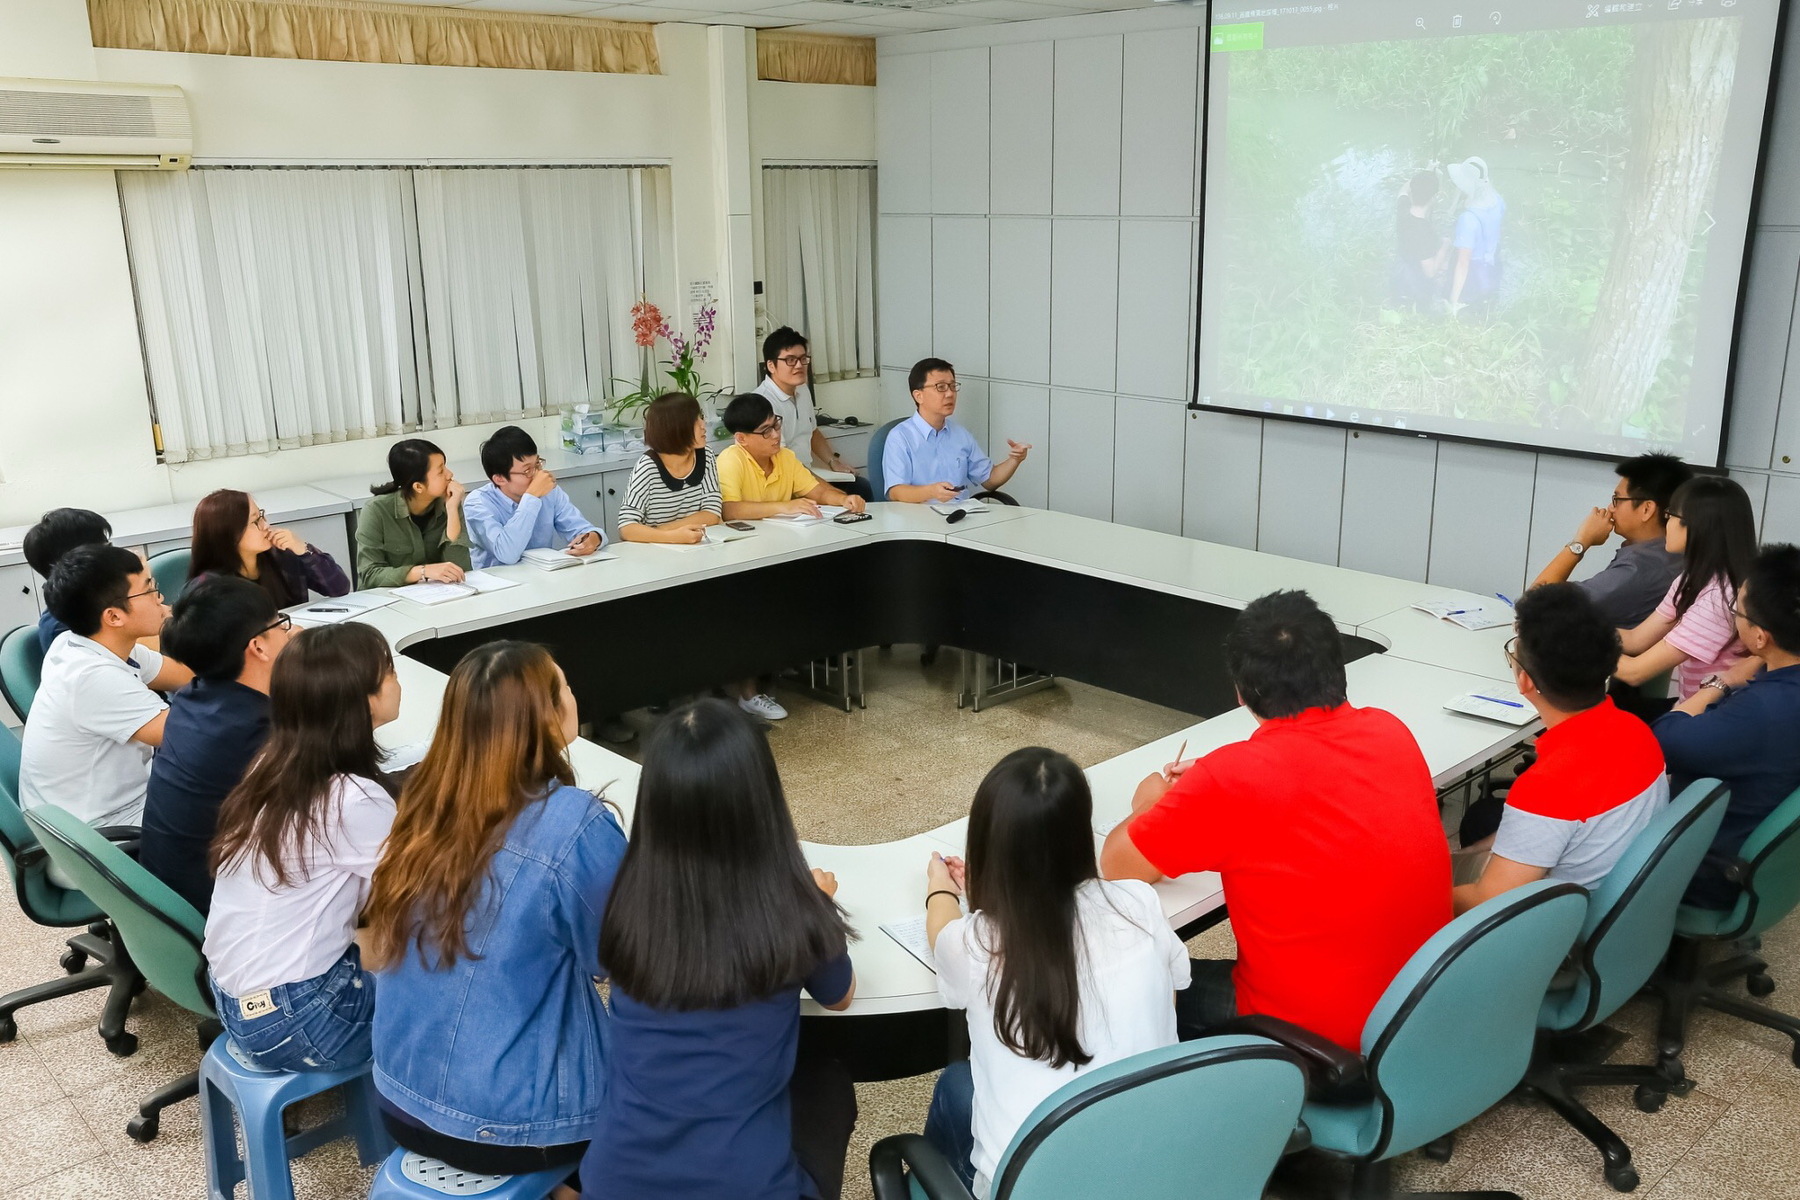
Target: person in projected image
[1420, 250]
[1475, 264]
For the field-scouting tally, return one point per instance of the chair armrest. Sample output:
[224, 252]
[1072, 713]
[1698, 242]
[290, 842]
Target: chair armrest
[1733, 868]
[892, 1157]
[1333, 1074]
[1000, 497]
[125, 837]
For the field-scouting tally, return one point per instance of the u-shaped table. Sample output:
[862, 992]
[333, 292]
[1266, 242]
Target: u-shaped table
[1126, 609]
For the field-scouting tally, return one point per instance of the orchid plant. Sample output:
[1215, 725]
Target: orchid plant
[682, 367]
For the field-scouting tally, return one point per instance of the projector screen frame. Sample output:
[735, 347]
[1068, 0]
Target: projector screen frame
[1717, 461]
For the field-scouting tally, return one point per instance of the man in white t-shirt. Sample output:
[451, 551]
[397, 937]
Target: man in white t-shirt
[97, 718]
[787, 360]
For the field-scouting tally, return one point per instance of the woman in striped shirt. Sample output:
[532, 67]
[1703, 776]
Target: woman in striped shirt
[1713, 528]
[673, 494]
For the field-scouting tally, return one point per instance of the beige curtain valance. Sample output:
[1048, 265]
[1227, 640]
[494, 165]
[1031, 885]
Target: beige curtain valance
[814, 58]
[352, 31]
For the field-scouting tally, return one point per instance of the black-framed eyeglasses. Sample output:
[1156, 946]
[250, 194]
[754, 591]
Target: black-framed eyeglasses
[152, 590]
[1627, 499]
[259, 517]
[282, 621]
[772, 429]
[529, 470]
[1511, 652]
[795, 360]
[942, 389]
[1672, 515]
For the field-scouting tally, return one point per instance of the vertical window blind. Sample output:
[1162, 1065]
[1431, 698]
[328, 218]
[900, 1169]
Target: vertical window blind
[286, 307]
[819, 263]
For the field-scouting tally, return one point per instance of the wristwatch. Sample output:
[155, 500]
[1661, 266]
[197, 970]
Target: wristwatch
[1576, 548]
[1716, 680]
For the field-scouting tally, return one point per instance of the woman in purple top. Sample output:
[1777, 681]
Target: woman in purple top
[232, 536]
[713, 928]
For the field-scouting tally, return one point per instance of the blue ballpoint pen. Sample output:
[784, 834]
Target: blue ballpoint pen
[1497, 700]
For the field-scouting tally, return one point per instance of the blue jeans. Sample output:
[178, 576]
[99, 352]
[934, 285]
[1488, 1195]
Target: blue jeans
[950, 1122]
[319, 1024]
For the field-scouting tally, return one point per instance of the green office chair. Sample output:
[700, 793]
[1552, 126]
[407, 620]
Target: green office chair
[1451, 1036]
[21, 669]
[161, 929]
[59, 908]
[1630, 919]
[170, 570]
[878, 447]
[1767, 868]
[1205, 1120]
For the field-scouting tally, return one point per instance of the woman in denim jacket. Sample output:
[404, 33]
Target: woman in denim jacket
[484, 924]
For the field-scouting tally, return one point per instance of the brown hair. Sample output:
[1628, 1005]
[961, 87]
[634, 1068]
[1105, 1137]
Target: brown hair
[319, 728]
[498, 748]
[219, 523]
[669, 423]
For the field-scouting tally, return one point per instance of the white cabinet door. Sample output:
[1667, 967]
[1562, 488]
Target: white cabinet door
[18, 597]
[598, 497]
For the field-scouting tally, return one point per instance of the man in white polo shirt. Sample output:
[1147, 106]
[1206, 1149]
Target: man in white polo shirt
[97, 718]
[787, 360]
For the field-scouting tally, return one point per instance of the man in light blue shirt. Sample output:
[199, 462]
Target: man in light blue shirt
[930, 457]
[521, 508]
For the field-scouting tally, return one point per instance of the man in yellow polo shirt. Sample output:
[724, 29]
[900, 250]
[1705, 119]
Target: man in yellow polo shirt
[760, 477]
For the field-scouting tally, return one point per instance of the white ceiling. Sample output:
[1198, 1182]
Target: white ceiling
[807, 16]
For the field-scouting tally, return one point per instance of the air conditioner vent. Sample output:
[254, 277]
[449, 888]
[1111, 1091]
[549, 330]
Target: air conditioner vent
[84, 123]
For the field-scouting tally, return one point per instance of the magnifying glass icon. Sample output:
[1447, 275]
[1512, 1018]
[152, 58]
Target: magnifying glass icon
[1420, 22]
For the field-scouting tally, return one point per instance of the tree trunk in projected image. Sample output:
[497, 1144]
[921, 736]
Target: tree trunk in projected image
[1680, 92]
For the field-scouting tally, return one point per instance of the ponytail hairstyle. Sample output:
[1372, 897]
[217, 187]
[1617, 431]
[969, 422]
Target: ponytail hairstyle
[714, 905]
[409, 461]
[1031, 845]
[498, 748]
[1721, 536]
[319, 728]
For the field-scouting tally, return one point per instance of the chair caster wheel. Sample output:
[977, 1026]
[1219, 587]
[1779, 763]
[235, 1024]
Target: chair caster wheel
[123, 1045]
[138, 985]
[1441, 1149]
[1623, 1178]
[9, 1028]
[72, 960]
[1796, 1054]
[1760, 984]
[1649, 1099]
[143, 1129]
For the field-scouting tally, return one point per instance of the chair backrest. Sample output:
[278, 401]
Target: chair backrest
[162, 931]
[21, 669]
[1772, 886]
[1631, 914]
[1209, 1118]
[1453, 1033]
[170, 570]
[878, 447]
[43, 901]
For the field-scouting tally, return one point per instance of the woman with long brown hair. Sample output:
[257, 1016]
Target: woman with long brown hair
[484, 924]
[232, 536]
[294, 854]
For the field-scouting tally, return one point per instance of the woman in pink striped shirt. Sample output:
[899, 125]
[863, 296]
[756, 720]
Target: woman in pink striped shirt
[1692, 632]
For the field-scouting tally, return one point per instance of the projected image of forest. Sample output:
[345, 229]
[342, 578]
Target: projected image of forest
[1506, 228]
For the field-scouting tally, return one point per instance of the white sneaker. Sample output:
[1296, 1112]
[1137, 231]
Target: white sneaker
[763, 706]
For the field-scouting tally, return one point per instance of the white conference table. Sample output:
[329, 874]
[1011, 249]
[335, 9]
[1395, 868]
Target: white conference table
[1426, 662]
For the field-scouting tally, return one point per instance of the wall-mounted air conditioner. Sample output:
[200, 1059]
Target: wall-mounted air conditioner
[67, 124]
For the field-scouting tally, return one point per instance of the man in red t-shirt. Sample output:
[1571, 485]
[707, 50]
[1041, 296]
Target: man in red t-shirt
[1324, 825]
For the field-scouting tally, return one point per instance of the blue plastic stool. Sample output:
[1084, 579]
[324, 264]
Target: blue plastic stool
[228, 1084]
[409, 1176]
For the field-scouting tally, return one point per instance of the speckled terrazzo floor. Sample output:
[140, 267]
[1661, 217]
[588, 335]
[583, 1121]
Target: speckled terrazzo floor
[909, 762]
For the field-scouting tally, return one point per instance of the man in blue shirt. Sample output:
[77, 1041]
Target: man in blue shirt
[228, 631]
[1741, 729]
[59, 531]
[930, 457]
[521, 508]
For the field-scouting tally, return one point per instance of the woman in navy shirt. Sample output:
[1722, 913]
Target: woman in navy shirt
[714, 927]
[483, 921]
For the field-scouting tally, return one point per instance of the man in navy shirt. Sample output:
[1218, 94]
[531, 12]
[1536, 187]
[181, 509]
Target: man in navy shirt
[57, 532]
[1742, 729]
[228, 631]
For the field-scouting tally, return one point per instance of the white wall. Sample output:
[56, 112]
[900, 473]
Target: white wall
[74, 409]
[1039, 218]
